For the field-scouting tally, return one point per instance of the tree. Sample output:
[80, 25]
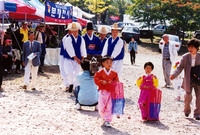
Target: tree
[121, 5]
[99, 7]
[146, 11]
[182, 14]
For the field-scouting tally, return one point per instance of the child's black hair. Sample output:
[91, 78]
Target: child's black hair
[149, 64]
[104, 58]
[193, 42]
[85, 65]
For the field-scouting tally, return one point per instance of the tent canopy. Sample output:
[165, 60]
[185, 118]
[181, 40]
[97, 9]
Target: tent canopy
[18, 7]
[77, 12]
[34, 9]
[40, 7]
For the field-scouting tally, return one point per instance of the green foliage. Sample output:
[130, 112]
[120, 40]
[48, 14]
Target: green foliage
[97, 6]
[183, 14]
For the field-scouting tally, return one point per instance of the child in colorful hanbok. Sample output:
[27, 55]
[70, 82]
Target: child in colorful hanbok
[104, 79]
[150, 96]
[177, 84]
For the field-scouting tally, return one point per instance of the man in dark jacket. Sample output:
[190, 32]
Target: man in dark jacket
[1, 68]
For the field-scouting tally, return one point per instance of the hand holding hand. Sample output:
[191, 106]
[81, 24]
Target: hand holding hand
[104, 82]
[109, 82]
[77, 60]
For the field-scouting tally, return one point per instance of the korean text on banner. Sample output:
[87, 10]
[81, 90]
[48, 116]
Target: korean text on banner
[58, 13]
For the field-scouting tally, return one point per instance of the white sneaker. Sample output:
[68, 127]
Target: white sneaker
[78, 106]
[107, 124]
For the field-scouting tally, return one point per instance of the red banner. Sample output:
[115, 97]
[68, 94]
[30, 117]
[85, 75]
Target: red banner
[114, 17]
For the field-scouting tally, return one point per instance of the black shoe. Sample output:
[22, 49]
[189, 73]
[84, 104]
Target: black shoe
[186, 115]
[40, 71]
[70, 88]
[197, 118]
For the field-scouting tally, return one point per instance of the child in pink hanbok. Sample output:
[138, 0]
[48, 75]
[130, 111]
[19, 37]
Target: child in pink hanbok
[103, 79]
[150, 96]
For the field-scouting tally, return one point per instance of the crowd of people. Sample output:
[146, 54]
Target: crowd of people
[76, 54]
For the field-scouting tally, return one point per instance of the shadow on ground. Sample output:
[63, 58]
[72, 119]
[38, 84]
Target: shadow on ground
[156, 124]
[112, 131]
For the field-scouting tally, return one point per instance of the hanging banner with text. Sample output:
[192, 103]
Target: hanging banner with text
[58, 13]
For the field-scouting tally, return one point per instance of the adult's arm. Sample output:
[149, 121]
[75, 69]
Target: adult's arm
[83, 48]
[178, 69]
[118, 48]
[67, 44]
[105, 49]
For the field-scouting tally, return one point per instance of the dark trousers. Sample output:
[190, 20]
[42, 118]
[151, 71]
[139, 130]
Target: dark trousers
[42, 60]
[166, 65]
[1, 75]
[7, 63]
[17, 63]
[76, 91]
[42, 55]
[132, 56]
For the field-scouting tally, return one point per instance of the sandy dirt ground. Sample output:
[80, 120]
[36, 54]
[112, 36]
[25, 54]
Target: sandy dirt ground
[50, 110]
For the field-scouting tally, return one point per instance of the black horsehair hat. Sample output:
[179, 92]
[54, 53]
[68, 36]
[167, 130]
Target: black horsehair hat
[89, 26]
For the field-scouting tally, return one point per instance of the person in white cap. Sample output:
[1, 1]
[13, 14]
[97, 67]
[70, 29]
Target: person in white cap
[76, 51]
[114, 47]
[103, 31]
[63, 54]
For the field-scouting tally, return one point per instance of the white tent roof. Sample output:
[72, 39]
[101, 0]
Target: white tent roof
[40, 8]
[77, 12]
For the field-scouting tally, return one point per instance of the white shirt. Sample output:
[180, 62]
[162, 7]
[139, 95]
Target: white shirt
[68, 46]
[38, 35]
[31, 44]
[193, 60]
[90, 37]
[117, 49]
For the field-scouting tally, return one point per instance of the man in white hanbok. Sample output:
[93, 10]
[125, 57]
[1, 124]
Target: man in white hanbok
[76, 51]
[61, 60]
[114, 47]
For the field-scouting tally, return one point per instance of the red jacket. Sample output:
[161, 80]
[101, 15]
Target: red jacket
[102, 76]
